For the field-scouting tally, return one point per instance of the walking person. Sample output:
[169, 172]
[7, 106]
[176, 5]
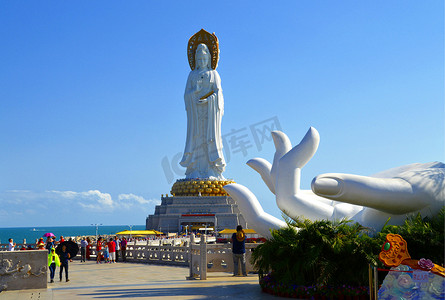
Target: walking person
[98, 250]
[53, 262]
[118, 247]
[83, 249]
[239, 250]
[112, 250]
[124, 248]
[64, 258]
[11, 245]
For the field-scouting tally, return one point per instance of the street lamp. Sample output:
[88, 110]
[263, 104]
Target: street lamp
[97, 228]
[131, 226]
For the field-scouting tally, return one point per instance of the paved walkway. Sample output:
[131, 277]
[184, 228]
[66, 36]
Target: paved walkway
[128, 280]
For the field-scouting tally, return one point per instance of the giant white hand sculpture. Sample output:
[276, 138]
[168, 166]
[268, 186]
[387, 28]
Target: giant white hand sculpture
[367, 200]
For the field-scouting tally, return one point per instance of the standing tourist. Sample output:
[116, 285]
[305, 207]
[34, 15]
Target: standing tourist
[64, 258]
[88, 248]
[11, 245]
[49, 244]
[112, 250]
[239, 250]
[98, 250]
[124, 248]
[40, 241]
[105, 252]
[41, 245]
[53, 261]
[118, 247]
[83, 249]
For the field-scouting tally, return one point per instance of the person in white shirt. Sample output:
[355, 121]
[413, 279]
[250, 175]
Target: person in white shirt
[11, 245]
[118, 247]
[83, 249]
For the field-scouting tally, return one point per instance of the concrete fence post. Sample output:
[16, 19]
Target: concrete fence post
[190, 258]
[203, 258]
[147, 252]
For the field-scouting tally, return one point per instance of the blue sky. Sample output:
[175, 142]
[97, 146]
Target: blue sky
[91, 96]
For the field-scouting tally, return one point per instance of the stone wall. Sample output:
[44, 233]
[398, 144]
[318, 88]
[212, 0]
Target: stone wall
[23, 269]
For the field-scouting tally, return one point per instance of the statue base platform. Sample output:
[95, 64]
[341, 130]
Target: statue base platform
[193, 213]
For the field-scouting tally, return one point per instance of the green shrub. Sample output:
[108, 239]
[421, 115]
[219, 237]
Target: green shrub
[321, 252]
[424, 236]
[333, 253]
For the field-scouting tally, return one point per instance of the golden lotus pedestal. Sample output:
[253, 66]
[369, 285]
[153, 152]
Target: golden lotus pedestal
[204, 187]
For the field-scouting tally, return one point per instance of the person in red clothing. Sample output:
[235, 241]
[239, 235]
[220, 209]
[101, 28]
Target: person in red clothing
[61, 239]
[112, 250]
[99, 250]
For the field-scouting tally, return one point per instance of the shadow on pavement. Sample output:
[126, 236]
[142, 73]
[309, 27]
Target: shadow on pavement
[241, 291]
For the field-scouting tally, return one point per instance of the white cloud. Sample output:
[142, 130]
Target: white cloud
[92, 199]
[132, 200]
[70, 205]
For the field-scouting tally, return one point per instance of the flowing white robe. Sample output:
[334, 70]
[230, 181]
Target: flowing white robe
[203, 156]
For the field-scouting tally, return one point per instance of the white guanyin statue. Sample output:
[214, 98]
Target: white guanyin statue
[369, 200]
[204, 103]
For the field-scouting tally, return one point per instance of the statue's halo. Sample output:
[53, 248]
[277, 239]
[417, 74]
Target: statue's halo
[203, 37]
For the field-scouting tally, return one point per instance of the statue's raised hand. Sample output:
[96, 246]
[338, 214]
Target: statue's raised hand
[368, 200]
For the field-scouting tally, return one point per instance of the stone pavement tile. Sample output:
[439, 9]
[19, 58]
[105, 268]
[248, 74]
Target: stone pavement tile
[143, 281]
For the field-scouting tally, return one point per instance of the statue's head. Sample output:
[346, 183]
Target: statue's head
[202, 57]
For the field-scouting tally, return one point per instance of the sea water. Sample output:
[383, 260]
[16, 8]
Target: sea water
[33, 233]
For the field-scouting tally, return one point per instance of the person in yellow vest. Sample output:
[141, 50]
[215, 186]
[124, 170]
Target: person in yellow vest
[53, 261]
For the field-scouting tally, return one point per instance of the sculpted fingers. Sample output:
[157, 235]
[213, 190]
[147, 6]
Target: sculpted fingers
[281, 142]
[390, 195]
[282, 146]
[299, 156]
[263, 167]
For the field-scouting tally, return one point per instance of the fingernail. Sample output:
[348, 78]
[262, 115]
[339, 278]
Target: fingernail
[327, 186]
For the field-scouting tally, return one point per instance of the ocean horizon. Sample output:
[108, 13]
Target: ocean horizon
[31, 234]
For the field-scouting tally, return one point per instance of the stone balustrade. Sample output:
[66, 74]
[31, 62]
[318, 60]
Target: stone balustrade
[199, 255]
[206, 258]
[4, 247]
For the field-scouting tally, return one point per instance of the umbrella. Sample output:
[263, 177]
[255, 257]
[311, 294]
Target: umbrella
[71, 247]
[49, 234]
